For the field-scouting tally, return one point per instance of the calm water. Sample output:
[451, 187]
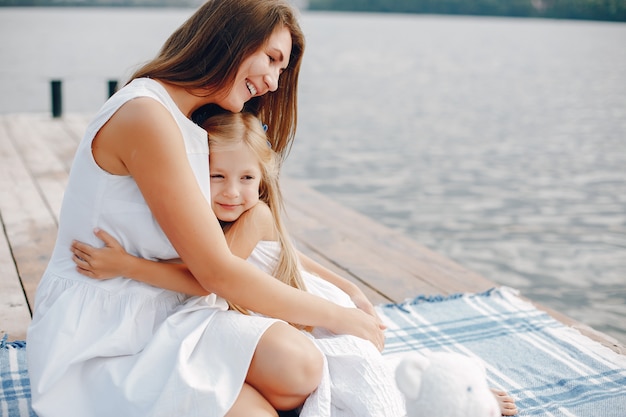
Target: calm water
[500, 143]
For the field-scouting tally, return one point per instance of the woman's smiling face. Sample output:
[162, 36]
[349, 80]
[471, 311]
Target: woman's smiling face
[259, 72]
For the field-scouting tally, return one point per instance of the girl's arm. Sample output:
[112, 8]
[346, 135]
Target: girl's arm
[254, 225]
[142, 140]
[355, 293]
[113, 261]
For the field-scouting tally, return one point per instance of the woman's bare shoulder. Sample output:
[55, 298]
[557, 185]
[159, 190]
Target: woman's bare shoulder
[142, 113]
[140, 125]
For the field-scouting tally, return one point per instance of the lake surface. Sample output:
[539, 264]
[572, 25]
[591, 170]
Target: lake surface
[500, 143]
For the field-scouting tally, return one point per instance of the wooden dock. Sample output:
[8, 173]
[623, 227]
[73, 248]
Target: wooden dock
[36, 152]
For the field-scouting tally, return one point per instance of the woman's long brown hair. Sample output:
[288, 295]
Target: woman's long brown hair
[206, 51]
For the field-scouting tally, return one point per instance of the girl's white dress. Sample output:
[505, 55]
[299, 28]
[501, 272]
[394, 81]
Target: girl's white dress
[120, 347]
[357, 381]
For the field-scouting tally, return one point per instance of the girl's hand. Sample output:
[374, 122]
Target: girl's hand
[107, 262]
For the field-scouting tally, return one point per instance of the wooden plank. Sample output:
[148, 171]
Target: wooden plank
[28, 221]
[54, 135]
[14, 311]
[76, 124]
[371, 293]
[47, 155]
[358, 262]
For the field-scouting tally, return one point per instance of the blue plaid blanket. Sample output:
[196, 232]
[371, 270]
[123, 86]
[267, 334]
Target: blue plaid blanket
[550, 369]
[15, 390]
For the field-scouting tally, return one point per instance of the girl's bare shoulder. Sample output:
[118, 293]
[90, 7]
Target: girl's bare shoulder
[260, 217]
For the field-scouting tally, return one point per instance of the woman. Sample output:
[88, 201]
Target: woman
[121, 347]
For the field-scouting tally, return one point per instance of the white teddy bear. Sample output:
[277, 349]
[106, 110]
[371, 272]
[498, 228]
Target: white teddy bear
[445, 384]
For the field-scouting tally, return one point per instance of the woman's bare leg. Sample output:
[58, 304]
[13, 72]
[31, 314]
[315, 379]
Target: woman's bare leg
[251, 404]
[506, 402]
[286, 367]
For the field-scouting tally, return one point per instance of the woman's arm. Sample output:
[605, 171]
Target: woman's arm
[257, 224]
[143, 139]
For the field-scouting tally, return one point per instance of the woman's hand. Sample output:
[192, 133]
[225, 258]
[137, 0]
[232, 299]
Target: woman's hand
[107, 262]
[363, 303]
[358, 323]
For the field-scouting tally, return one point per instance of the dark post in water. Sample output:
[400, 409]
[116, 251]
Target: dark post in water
[57, 105]
[112, 87]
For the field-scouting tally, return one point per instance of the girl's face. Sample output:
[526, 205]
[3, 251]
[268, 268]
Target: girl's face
[259, 72]
[235, 180]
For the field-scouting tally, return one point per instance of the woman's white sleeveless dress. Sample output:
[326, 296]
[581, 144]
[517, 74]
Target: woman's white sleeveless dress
[120, 347]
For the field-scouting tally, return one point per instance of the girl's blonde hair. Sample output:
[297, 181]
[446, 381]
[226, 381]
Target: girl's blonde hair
[208, 49]
[228, 129]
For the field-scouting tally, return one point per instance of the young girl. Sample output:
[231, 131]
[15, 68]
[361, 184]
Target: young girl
[245, 196]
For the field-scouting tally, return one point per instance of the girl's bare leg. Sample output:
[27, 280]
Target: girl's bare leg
[506, 402]
[286, 367]
[251, 404]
